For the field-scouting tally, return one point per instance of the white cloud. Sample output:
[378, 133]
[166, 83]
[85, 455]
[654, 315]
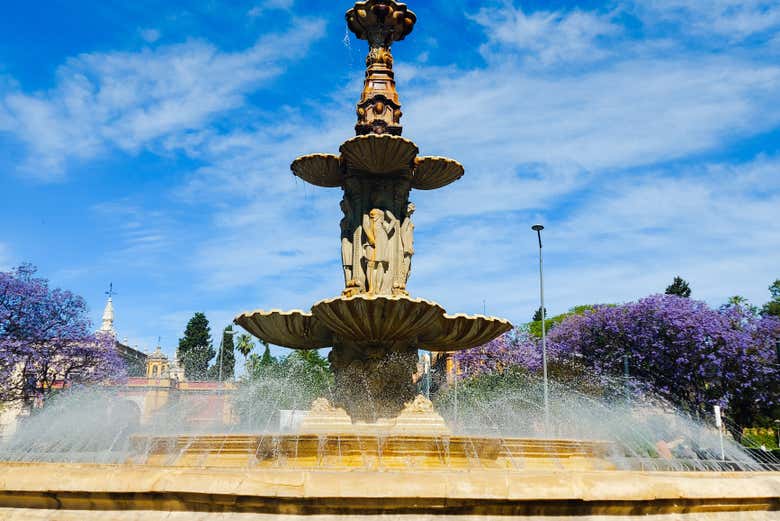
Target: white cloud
[137, 236]
[622, 239]
[150, 35]
[733, 20]
[270, 5]
[546, 36]
[129, 100]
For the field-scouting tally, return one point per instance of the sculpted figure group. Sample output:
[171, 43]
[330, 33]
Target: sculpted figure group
[376, 245]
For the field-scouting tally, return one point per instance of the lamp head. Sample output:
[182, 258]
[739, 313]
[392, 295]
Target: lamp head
[537, 227]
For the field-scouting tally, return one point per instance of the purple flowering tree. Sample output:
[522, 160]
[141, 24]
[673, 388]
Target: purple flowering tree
[751, 368]
[679, 348]
[689, 353]
[45, 339]
[516, 348]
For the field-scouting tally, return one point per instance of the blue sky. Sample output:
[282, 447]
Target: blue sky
[148, 144]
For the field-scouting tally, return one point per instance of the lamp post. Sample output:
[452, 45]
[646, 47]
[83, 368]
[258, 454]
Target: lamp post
[538, 229]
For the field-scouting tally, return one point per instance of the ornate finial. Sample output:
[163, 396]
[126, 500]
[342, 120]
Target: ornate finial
[381, 22]
[108, 313]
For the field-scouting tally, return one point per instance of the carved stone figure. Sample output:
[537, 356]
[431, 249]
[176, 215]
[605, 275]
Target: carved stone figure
[347, 251]
[407, 250]
[378, 232]
[393, 224]
[354, 194]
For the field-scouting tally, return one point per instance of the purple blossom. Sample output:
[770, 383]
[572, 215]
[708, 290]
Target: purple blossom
[684, 350]
[45, 338]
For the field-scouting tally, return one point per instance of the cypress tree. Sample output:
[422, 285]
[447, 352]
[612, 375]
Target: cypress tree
[195, 348]
[679, 287]
[267, 359]
[227, 351]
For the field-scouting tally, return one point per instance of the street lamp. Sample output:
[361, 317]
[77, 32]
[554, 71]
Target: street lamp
[538, 229]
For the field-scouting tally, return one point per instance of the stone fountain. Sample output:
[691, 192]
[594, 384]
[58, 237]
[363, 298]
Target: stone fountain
[376, 448]
[375, 327]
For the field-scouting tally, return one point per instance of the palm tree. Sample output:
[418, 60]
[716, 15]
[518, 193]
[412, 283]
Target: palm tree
[244, 345]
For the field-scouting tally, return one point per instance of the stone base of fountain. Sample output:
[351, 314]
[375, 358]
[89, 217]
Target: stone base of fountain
[85, 492]
[370, 451]
[417, 418]
[418, 438]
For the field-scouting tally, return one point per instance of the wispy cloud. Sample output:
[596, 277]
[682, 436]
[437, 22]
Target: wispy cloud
[138, 236]
[129, 100]
[545, 37]
[733, 20]
[270, 5]
[150, 35]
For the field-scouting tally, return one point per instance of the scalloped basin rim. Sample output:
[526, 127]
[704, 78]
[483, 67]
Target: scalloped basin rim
[472, 317]
[380, 297]
[379, 136]
[422, 318]
[316, 154]
[262, 312]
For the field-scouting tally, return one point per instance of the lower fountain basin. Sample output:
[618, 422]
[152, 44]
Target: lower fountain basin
[369, 451]
[373, 319]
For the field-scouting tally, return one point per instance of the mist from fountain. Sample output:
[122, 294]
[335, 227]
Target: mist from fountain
[643, 431]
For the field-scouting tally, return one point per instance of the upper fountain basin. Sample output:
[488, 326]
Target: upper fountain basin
[378, 154]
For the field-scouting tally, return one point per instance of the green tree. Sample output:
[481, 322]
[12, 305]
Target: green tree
[195, 348]
[291, 382]
[226, 357]
[773, 306]
[738, 301]
[679, 287]
[245, 344]
[267, 359]
[535, 327]
[538, 314]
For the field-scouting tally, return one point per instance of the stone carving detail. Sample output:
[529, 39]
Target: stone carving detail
[420, 404]
[406, 252]
[381, 23]
[376, 235]
[322, 405]
[347, 244]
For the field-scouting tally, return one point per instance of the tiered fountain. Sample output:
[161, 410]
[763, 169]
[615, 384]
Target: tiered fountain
[375, 328]
[374, 447]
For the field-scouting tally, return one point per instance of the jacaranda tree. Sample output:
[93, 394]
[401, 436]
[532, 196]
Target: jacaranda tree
[687, 352]
[46, 339]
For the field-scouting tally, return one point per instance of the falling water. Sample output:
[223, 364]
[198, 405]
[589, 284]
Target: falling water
[95, 425]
